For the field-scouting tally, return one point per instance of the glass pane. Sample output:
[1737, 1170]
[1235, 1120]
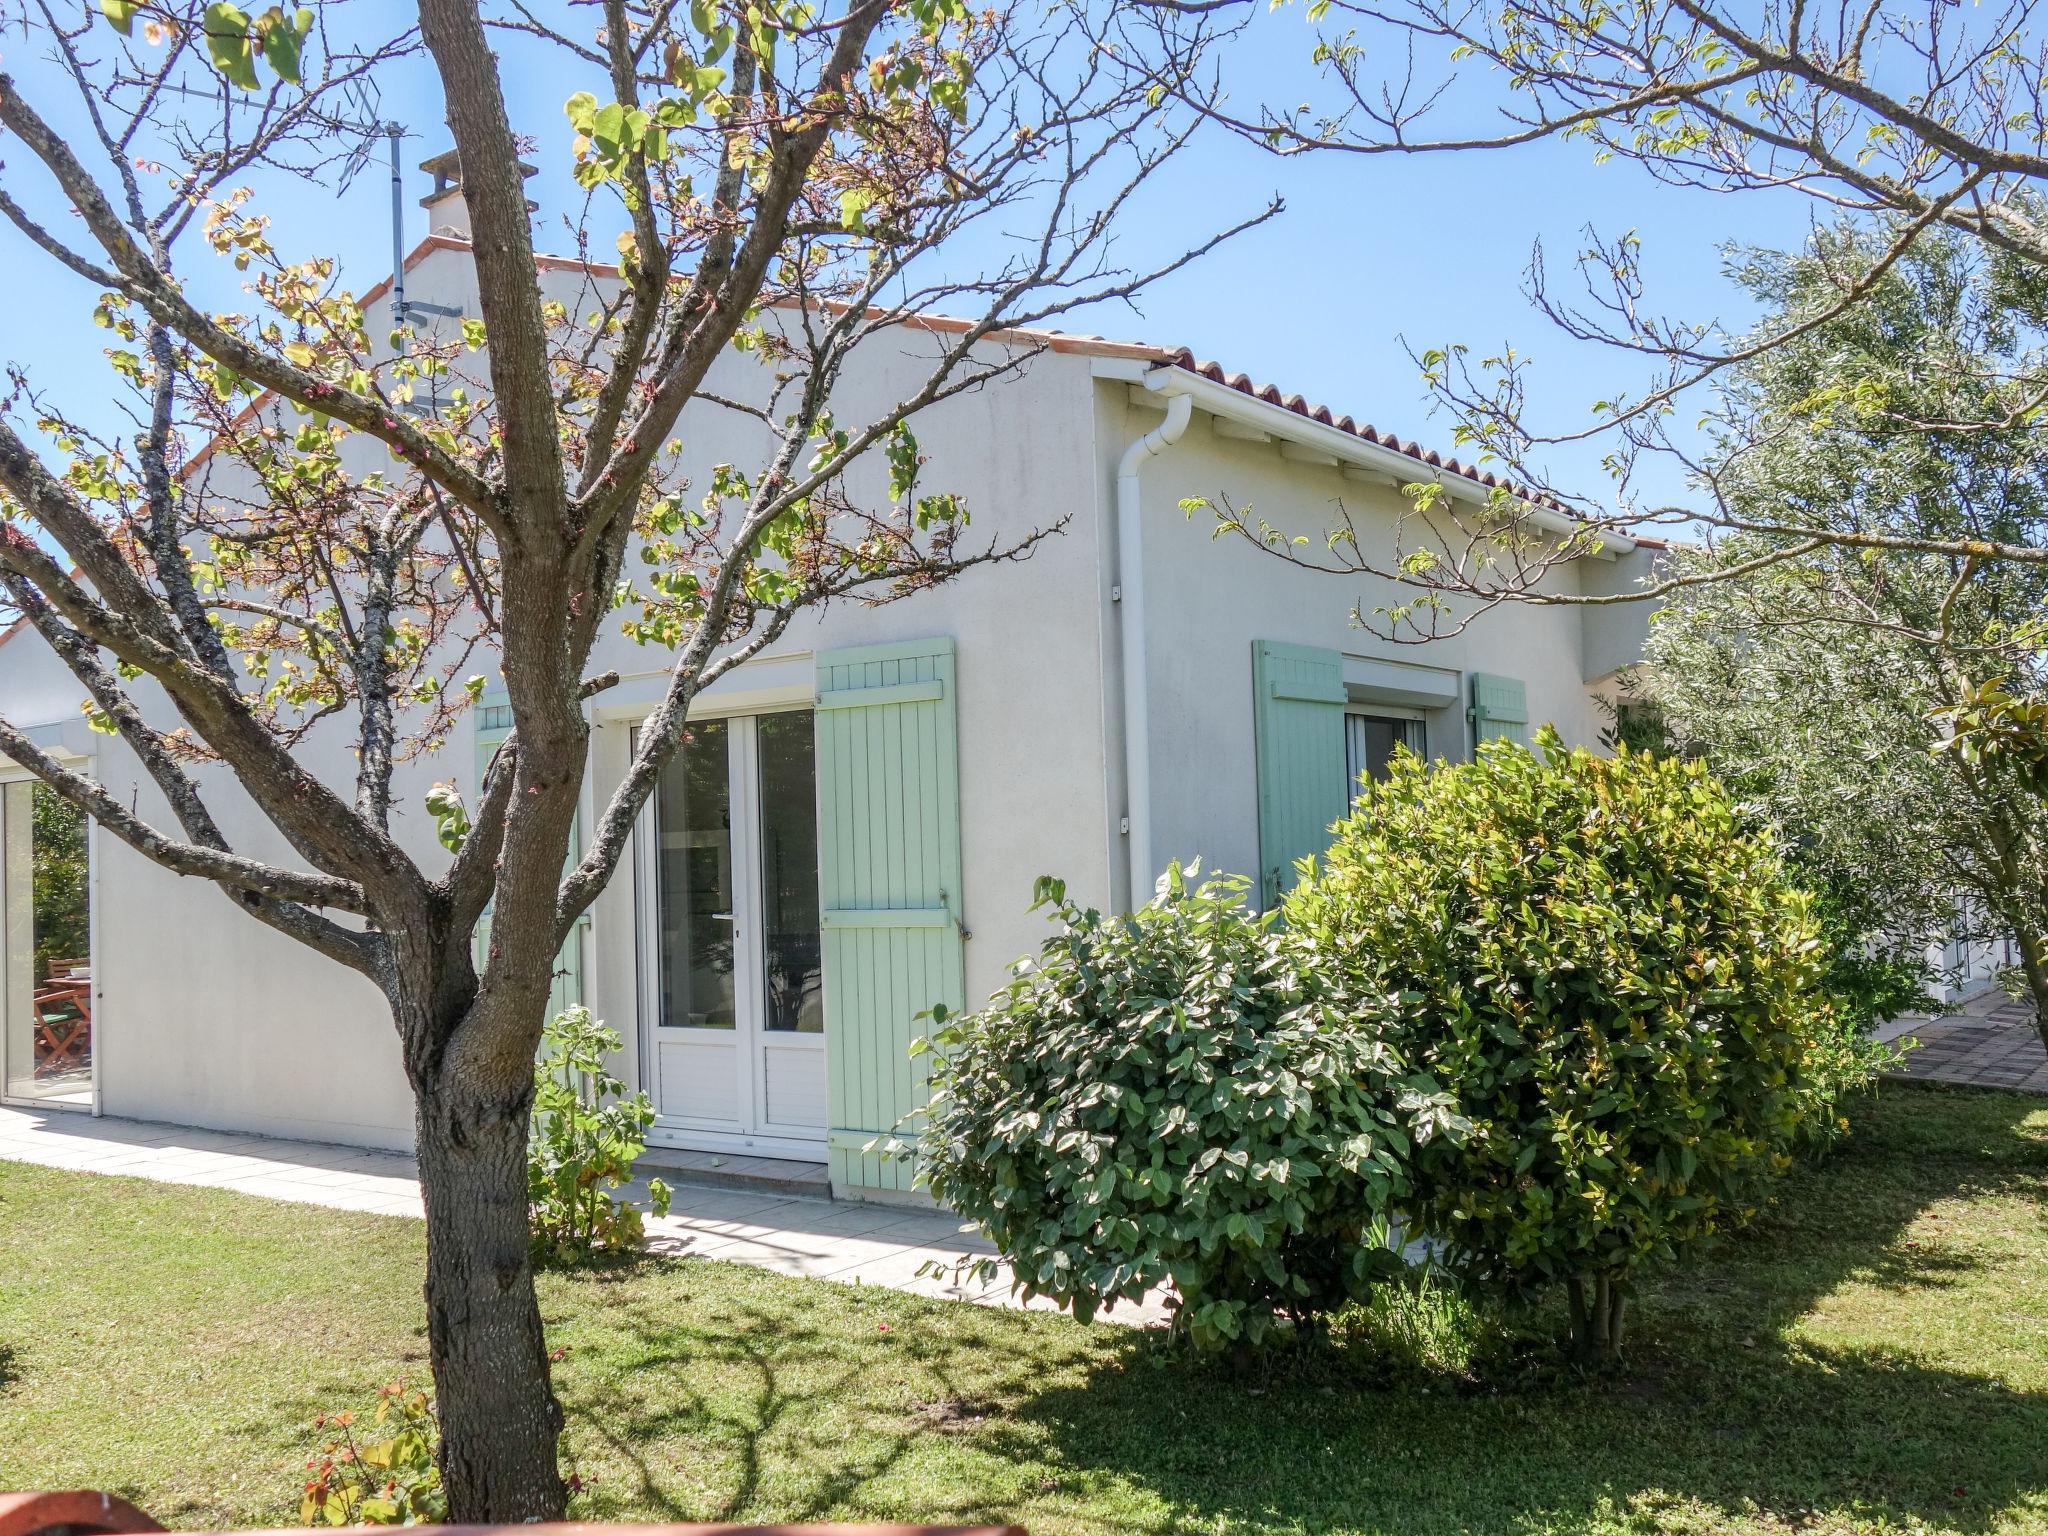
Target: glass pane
[789, 873]
[1369, 742]
[46, 969]
[693, 836]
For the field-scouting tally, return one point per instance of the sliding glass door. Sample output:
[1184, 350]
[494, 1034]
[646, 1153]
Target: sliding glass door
[46, 991]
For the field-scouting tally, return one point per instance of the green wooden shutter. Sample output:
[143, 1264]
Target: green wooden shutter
[1500, 709]
[889, 872]
[493, 725]
[1298, 720]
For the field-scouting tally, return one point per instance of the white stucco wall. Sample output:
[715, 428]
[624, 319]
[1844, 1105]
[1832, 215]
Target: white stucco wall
[1209, 599]
[206, 1017]
[201, 1015]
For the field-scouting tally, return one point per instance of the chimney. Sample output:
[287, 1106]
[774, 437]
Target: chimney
[447, 209]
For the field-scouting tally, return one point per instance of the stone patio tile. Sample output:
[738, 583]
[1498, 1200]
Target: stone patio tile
[838, 1250]
[850, 1219]
[713, 1237]
[932, 1230]
[118, 1159]
[1994, 1047]
[766, 1254]
[317, 1175]
[899, 1272]
[363, 1187]
[340, 1198]
[301, 1192]
[220, 1167]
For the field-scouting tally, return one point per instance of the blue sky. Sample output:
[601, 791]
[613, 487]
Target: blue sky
[1372, 255]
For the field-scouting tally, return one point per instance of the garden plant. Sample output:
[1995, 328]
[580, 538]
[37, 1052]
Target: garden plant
[385, 1476]
[1162, 1096]
[1616, 984]
[588, 1131]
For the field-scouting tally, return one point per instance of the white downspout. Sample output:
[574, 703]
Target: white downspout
[1130, 560]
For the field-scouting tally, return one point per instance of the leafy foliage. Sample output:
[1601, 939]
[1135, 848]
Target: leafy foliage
[58, 874]
[1877, 969]
[1614, 983]
[234, 40]
[1162, 1097]
[1828, 689]
[392, 1480]
[1989, 727]
[587, 1134]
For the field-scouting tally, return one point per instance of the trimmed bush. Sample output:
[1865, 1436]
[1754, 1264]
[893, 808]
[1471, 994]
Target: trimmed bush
[1614, 982]
[1159, 1098]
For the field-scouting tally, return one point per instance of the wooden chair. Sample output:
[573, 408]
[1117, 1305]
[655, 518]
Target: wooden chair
[63, 1019]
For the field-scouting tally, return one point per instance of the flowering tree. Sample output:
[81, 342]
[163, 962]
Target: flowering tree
[369, 514]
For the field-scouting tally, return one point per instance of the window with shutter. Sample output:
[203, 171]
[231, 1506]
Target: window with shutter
[1369, 743]
[493, 725]
[889, 869]
[1298, 722]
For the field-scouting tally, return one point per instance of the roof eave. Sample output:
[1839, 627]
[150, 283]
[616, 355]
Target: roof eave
[1373, 460]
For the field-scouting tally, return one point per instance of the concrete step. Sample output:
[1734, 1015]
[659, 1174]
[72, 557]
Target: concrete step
[734, 1170]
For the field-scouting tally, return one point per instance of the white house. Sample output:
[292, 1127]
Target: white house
[854, 828]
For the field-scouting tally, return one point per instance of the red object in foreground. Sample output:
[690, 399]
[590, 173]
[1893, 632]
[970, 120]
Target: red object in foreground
[70, 1514]
[100, 1514]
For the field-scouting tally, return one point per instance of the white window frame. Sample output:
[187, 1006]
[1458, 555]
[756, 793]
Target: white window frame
[1366, 709]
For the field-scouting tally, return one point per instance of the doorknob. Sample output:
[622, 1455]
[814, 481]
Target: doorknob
[722, 917]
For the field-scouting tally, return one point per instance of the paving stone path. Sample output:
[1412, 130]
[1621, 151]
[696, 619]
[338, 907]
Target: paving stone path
[1990, 1044]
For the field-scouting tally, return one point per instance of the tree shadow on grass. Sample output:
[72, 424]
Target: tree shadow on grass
[1733, 1406]
[768, 1408]
[1849, 1361]
[1792, 1433]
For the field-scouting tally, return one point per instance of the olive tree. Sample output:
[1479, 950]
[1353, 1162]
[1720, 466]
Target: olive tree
[782, 179]
[1817, 685]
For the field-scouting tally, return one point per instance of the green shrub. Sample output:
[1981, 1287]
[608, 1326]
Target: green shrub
[390, 1478]
[587, 1134]
[1613, 981]
[1843, 1059]
[1158, 1098]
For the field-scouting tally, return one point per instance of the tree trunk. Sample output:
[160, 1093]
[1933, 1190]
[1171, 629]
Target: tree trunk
[1598, 1308]
[500, 1422]
[2040, 1001]
[2034, 966]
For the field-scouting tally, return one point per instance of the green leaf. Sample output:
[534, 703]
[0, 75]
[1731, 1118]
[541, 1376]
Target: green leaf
[226, 30]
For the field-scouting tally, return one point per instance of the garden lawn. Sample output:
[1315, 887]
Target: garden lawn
[1872, 1355]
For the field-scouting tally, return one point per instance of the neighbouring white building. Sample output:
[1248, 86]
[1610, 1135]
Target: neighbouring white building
[854, 828]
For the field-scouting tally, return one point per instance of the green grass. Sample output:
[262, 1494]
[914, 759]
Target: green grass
[1873, 1355]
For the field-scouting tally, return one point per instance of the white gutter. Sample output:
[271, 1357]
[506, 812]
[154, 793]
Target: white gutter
[1171, 385]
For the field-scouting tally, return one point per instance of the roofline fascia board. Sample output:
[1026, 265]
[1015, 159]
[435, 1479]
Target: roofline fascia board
[1348, 449]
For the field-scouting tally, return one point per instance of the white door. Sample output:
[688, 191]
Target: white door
[732, 995]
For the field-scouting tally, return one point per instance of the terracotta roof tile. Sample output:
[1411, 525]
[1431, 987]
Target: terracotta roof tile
[1215, 373]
